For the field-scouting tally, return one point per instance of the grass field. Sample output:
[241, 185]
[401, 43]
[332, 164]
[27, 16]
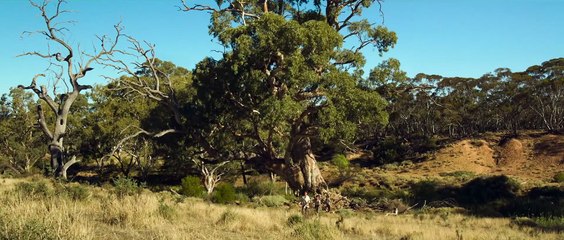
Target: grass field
[37, 208]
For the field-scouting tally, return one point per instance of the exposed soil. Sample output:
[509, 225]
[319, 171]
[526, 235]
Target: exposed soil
[530, 158]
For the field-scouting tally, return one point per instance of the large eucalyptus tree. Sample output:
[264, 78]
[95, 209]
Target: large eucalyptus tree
[291, 72]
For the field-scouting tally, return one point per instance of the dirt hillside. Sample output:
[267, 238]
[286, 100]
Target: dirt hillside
[528, 157]
[531, 158]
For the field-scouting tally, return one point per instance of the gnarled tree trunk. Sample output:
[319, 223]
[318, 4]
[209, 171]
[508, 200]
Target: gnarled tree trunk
[299, 168]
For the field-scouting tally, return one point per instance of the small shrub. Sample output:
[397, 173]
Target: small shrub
[550, 223]
[260, 188]
[559, 177]
[312, 230]
[460, 175]
[224, 193]
[341, 162]
[191, 186]
[34, 189]
[241, 198]
[294, 219]
[273, 200]
[345, 213]
[227, 217]
[166, 211]
[124, 186]
[555, 224]
[75, 192]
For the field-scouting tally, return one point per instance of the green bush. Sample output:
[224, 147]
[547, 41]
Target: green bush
[389, 150]
[34, 189]
[260, 188]
[559, 177]
[555, 224]
[483, 190]
[124, 186]
[341, 162]
[241, 198]
[224, 193]
[191, 186]
[75, 192]
[460, 175]
[273, 200]
[294, 219]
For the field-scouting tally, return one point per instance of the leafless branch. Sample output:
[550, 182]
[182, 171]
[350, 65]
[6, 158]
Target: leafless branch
[235, 6]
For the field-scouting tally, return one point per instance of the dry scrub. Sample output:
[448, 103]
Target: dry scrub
[103, 215]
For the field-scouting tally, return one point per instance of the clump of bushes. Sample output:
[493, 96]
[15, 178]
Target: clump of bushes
[483, 190]
[75, 192]
[191, 186]
[224, 193]
[260, 188]
[124, 186]
[555, 224]
[272, 200]
[37, 189]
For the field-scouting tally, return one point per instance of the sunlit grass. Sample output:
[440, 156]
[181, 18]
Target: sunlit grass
[147, 215]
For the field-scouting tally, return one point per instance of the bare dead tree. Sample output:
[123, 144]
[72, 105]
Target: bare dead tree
[70, 70]
[146, 79]
[211, 174]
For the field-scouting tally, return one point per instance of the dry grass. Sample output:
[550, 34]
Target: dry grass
[161, 216]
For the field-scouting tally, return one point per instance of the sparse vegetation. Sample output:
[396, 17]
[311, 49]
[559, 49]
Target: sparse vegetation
[227, 149]
[155, 216]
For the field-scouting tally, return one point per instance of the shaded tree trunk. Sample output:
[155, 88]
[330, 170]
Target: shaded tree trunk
[299, 168]
[57, 156]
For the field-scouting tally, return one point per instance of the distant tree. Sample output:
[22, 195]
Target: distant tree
[546, 90]
[20, 139]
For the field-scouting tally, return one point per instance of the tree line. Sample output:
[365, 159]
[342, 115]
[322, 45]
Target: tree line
[285, 89]
[428, 107]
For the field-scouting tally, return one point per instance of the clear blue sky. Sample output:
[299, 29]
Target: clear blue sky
[448, 37]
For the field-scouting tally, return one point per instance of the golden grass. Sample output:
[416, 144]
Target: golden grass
[160, 216]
